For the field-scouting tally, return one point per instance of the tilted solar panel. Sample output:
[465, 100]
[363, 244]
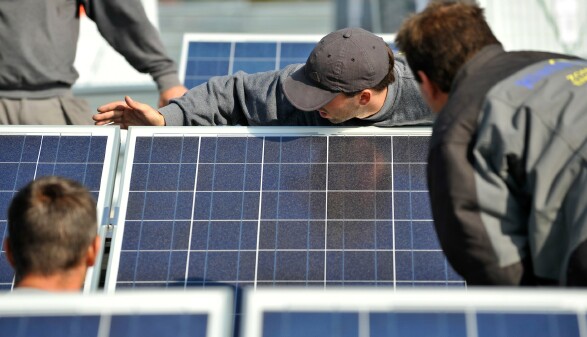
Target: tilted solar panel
[193, 313]
[366, 312]
[275, 206]
[86, 154]
[207, 55]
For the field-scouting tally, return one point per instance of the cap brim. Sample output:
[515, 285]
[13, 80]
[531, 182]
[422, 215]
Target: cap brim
[303, 93]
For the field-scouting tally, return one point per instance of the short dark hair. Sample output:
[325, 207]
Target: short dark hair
[441, 38]
[385, 82]
[51, 223]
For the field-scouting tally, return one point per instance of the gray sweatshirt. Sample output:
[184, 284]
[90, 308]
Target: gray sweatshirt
[258, 99]
[38, 42]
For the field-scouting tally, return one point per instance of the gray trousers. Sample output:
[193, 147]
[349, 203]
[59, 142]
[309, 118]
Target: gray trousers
[60, 110]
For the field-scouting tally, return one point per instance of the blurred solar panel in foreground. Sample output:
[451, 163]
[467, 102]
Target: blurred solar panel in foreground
[139, 314]
[406, 313]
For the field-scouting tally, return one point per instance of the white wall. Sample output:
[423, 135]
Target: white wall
[551, 25]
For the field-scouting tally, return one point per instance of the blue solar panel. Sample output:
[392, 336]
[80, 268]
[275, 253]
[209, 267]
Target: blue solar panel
[207, 55]
[346, 324]
[84, 154]
[369, 313]
[141, 314]
[410, 324]
[49, 326]
[241, 206]
[75, 325]
[527, 324]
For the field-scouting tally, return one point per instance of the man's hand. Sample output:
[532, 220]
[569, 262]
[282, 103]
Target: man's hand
[128, 113]
[170, 93]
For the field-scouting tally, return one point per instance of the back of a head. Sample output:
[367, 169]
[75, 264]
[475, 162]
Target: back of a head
[51, 223]
[441, 38]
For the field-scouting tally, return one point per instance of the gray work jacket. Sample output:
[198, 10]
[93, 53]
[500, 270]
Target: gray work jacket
[507, 166]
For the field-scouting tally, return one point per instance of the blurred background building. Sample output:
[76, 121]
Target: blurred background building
[553, 25]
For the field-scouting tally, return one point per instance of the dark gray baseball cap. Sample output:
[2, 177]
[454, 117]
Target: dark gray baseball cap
[347, 60]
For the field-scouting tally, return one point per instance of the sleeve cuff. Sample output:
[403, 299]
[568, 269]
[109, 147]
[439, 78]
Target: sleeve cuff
[173, 115]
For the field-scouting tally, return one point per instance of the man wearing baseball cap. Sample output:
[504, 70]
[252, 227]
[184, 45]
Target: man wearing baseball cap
[350, 78]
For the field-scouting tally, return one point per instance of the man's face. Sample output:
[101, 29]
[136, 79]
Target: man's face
[342, 108]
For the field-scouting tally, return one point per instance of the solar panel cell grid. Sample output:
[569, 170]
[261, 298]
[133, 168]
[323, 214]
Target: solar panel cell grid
[207, 55]
[264, 210]
[207, 59]
[23, 158]
[83, 154]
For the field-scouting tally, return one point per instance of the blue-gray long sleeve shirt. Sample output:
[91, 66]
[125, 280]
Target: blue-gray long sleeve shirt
[258, 99]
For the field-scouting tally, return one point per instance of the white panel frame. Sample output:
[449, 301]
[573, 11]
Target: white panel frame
[367, 300]
[216, 302]
[213, 131]
[103, 204]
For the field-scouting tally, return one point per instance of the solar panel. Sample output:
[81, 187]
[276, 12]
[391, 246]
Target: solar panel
[366, 312]
[270, 206]
[190, 313]
[207, 55]
[86, 154]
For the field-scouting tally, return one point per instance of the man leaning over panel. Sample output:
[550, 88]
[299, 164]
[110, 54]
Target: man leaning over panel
[350, 78]
[507, 166]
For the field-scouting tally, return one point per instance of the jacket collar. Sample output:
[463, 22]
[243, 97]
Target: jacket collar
[477, 62]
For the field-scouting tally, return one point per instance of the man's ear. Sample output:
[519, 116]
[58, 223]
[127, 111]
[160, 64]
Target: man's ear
[365, 97]
[8, 251]
[92, 252]
[432, 94]
[429, 89]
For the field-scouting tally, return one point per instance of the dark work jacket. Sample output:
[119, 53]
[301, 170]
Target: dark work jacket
[507, 173]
